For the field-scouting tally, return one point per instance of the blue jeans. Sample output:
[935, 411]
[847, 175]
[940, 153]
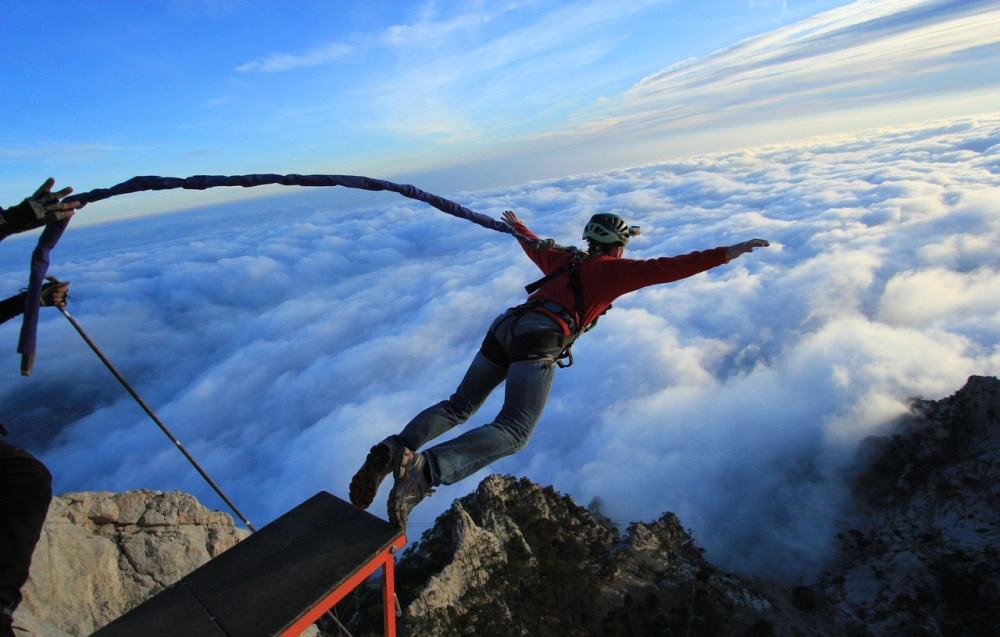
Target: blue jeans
[526, 392]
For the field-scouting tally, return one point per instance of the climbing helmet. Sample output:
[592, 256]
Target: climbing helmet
[605, 227]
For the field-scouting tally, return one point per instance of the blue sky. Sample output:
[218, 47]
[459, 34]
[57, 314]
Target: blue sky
[456, 96]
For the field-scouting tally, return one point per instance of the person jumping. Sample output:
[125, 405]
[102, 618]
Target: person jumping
[523, 346]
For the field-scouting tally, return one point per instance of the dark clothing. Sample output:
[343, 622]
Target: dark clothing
[14, 305]
[11, 307]
[25, 493]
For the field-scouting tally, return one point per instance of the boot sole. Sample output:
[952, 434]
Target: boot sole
[365, 483]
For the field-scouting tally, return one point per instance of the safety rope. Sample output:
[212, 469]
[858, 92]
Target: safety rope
[159, 423]
[330, 614]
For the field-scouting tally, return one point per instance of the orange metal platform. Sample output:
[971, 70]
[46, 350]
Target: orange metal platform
[279, 580]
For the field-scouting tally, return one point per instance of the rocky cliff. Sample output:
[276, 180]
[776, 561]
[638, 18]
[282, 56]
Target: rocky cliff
[514, 558]
[924, 558]
[100, 554]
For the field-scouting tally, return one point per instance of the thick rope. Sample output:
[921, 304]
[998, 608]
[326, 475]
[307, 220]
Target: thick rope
[50, 236]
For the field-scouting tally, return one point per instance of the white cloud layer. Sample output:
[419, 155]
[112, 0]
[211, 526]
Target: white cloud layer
[279, 341]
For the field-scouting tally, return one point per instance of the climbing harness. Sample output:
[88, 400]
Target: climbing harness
[530, 346]
[572, 267]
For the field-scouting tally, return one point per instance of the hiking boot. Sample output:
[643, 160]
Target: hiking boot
[380, 462]
[411, 486]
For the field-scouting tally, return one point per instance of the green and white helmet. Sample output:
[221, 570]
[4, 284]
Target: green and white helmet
[608, 228]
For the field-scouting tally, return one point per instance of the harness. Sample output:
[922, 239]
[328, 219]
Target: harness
[537, 345]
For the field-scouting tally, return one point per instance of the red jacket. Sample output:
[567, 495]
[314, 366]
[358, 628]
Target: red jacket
[605, 278]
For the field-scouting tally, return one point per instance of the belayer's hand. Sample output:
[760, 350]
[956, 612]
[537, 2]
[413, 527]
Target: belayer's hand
[40, 209]
[54, 293]
[742, 248]
[510, 218]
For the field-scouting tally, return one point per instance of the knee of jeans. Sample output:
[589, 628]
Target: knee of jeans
[461, 407]
[518, 430]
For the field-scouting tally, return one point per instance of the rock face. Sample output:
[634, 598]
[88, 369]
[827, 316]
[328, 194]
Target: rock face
[925, 557]
[515, 559]
[100, 554]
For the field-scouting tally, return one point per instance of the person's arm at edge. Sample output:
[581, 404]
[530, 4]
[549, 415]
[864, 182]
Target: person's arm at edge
[53, 294]
[634, 274]
[11, 307]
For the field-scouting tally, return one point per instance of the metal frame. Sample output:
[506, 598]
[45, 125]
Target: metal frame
[384, 560]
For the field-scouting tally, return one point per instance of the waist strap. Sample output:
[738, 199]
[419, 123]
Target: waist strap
[552, 310]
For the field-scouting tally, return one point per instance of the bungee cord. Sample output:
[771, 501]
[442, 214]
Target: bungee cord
[50, 236]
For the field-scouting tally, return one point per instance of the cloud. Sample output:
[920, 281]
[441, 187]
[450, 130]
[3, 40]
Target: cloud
[276, 62]
[957, 297]
[280, 340]
[859, 54]
[430, 31]
[425, 32]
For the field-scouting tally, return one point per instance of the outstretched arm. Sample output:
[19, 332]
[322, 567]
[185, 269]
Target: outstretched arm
[54, 294]
[736, 250]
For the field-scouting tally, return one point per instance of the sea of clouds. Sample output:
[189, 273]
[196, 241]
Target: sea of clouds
[281, 338]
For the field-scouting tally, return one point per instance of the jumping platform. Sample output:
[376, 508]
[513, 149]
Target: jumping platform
[278, 581]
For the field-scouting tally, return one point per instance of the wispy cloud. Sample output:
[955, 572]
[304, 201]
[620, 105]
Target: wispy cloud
[277, 62]
[431, 31]
[427, 32]
[862, 53]
[481, 80]
[495, 82]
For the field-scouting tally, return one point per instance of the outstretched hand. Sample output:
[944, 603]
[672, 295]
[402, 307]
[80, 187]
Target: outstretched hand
[510, 218]
[40, 209]
[50, 201]
[742, 248]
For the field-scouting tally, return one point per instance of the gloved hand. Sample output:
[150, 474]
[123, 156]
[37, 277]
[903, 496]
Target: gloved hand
[54, 293]
[40, 209]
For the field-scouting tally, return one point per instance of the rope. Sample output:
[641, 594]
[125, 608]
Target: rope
[50, 236]
[135, 395]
